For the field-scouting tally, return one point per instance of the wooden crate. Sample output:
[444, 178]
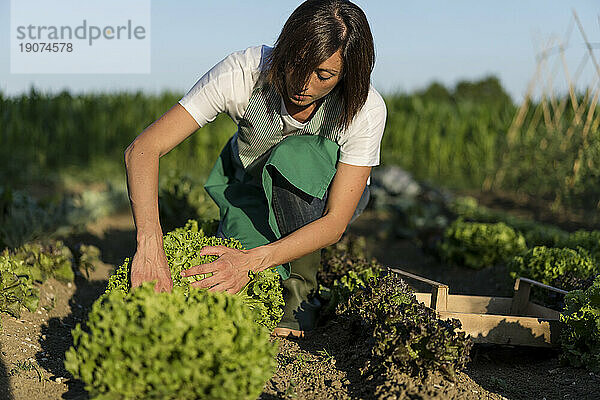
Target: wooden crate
[499, 320]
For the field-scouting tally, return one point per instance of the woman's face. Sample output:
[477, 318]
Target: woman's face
[321, 82]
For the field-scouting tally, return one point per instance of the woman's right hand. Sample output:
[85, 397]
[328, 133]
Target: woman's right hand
[150, 264]
[142, 161]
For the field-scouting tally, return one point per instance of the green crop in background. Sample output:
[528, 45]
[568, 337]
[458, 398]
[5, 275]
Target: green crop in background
[24, 267]
[452, 137]
[544, 264]
[479, 245]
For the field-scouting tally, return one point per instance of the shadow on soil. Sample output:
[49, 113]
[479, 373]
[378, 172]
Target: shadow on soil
[530, 373]
[337, 341]
[524, 372]
[56, 334]
[516, 372]
[115, 246]
[5, 391]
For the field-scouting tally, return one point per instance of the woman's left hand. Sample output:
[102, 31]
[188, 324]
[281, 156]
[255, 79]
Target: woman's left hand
[229, 271]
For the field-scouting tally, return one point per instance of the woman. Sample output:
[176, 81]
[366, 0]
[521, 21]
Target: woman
[294, 174]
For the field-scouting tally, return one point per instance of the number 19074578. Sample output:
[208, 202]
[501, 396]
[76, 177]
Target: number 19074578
[36, 47]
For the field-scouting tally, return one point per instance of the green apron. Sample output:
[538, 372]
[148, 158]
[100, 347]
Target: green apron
[307, 161]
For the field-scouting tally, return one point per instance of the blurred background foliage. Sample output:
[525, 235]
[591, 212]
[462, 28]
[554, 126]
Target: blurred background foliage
[454, 137]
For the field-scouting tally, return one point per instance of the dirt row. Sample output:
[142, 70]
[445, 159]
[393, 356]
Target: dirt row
[318, 367]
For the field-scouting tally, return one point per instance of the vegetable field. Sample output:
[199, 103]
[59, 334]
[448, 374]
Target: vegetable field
[462, 197]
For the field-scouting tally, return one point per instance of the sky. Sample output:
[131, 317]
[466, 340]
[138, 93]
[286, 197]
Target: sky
[417, 42]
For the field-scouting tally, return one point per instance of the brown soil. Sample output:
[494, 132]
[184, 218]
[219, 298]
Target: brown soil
[326, 365]
[407, 255]
[539, 209]
[320, 366]
[33, 346]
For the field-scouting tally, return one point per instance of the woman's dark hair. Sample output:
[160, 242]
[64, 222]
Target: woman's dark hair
[312, 34]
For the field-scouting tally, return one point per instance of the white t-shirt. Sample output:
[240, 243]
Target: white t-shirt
[227, 87]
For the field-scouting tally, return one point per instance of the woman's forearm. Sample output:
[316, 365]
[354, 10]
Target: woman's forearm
[320, 233]
[142, 186]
